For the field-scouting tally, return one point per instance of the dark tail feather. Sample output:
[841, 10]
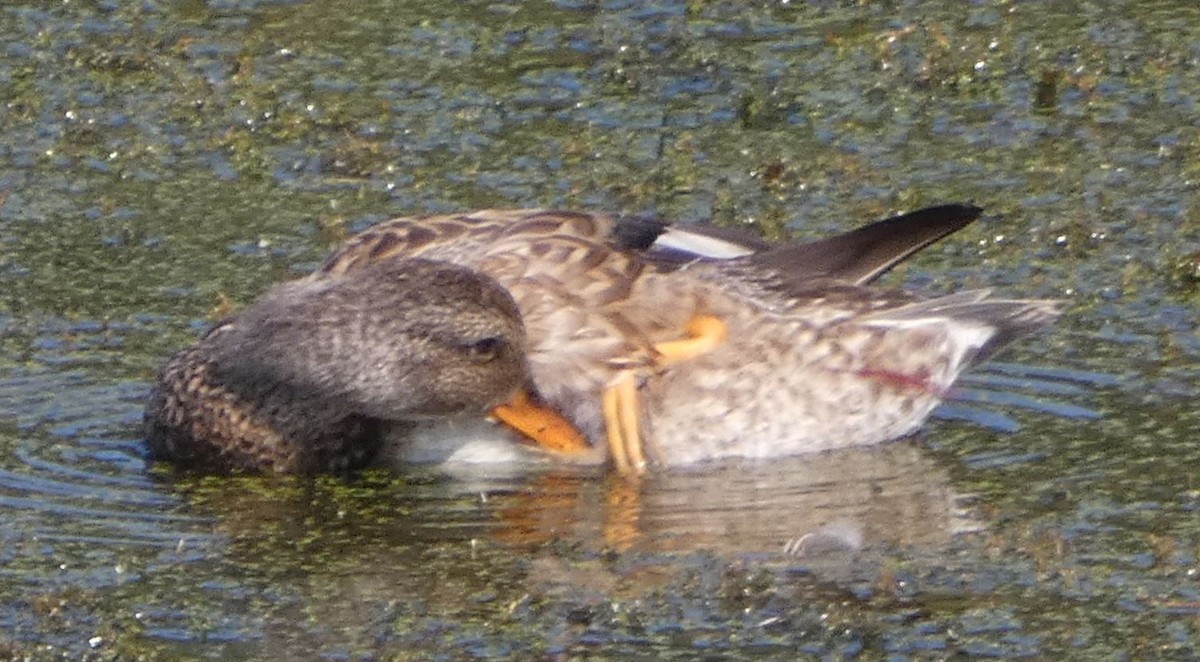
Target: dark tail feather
[1018, 318]
[862, 255]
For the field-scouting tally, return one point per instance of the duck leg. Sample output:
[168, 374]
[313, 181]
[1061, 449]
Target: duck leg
[548, 429]
[622, 409]
[542, 425]
[622, 422]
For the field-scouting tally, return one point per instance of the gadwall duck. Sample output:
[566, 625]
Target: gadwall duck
[595, 336]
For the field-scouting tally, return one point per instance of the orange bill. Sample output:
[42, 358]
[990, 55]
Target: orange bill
[542, 425]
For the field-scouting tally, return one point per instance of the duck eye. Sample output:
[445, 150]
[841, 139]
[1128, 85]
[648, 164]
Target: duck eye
[486, 349]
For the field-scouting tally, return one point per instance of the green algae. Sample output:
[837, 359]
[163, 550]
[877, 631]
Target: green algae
[161, 159]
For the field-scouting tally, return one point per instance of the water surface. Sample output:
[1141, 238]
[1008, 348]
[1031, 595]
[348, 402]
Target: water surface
[162, 162]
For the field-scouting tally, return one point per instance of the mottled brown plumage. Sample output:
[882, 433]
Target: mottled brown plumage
[814, 358]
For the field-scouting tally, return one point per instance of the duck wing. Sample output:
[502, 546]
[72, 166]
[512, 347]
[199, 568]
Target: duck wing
[863, 255]
[470, 238]
[856, 257]
[673, 245]
[449, 237]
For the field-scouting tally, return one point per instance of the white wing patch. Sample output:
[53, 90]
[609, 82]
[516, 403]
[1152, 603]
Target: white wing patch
[700, 245]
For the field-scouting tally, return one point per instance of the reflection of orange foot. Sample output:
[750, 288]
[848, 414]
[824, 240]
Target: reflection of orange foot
[563, 507]
[546, 509]
[543, 426]
[622, 411]
[622, 513]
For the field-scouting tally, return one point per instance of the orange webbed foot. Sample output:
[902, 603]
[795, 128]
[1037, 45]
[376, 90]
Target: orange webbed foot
[704, 333]
[622, 407]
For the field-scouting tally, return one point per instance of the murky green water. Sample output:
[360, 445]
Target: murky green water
[160, 160]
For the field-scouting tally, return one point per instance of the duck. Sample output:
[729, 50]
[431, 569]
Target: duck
[590, 337]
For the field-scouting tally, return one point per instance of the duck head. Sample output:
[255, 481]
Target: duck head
[299, 381]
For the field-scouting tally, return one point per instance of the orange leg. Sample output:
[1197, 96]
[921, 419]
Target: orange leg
[622, 409]
[622, 422]
[548, 429]
[543, 426]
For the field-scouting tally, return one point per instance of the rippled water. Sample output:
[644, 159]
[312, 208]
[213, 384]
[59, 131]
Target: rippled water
[160, 162]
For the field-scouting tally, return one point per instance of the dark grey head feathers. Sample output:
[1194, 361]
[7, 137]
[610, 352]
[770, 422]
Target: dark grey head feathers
[314, 360]
[397, 340]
